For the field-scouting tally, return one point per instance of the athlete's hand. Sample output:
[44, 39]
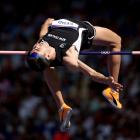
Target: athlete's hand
[114, 85]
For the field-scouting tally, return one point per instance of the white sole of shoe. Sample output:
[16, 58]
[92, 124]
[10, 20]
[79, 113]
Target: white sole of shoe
[65, 122]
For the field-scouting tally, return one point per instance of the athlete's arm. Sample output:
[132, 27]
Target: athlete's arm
[44, 27]
[73, 63]
[70, 59]
[98, 77]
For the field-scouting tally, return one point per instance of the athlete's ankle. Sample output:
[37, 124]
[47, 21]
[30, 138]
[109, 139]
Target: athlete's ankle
[61, 107]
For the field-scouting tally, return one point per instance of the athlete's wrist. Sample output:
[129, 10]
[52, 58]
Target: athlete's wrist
[108, 81]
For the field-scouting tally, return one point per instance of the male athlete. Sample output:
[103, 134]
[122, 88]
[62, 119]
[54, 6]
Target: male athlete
[59, 45]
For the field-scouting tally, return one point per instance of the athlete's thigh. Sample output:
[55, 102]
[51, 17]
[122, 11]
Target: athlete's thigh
[105, 37]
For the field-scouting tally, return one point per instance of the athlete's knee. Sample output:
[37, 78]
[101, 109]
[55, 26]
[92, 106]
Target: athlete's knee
[117, 42]
[116, 39]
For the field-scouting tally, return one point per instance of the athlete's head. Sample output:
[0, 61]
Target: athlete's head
[40, 56]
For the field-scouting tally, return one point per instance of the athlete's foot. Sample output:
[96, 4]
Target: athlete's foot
[113, 97]
[65, 113]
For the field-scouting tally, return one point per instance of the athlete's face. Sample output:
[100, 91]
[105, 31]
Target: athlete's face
[43, 48]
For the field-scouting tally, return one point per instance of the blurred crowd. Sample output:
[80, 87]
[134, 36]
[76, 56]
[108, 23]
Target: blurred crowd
[27, 109]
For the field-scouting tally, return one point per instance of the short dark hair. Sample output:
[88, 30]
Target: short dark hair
[36, 61]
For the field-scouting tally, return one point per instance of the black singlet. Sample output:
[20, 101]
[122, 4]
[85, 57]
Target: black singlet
[64, 33]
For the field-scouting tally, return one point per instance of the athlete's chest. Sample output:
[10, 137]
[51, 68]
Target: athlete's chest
[61, 37]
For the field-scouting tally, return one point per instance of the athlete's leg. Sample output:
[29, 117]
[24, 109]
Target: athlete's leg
[54, 85]
[110, 39]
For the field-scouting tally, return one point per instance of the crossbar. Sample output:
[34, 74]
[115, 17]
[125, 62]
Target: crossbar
[109, 53]
[81, 53]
